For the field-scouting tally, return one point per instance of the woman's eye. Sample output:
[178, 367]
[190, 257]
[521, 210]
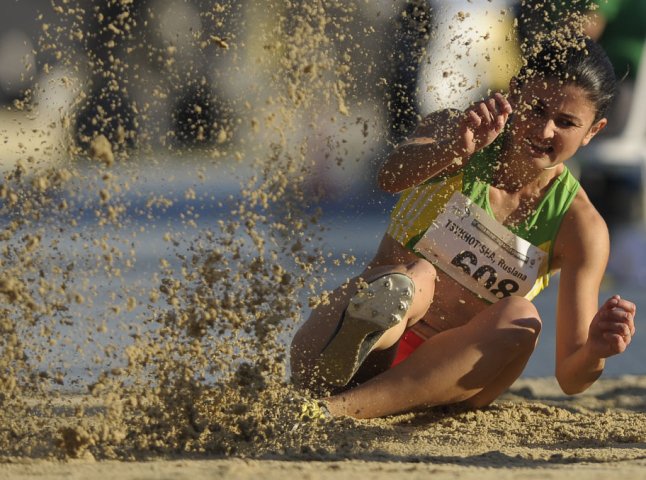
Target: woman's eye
[566, 123]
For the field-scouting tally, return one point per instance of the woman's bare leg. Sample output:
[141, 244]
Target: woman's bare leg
[473, 363]
[317, 331]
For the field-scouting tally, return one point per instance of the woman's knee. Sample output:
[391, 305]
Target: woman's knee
[518, 322]
[423, 275]
[421, 269]
[518, 308]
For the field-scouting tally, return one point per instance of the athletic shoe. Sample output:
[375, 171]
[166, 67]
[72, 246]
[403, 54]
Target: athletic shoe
[371, 311]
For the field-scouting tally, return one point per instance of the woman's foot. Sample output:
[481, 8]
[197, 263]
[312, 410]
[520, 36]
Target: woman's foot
[380, 306]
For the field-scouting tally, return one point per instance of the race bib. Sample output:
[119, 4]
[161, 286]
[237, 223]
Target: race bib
[480, 253]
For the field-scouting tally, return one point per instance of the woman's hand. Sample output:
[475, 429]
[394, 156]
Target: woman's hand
[443, 142]
[612, 328]
[483, 122]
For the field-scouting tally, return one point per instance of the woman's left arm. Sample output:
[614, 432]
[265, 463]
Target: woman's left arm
[585, 334]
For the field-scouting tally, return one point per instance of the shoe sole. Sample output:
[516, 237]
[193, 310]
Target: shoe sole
[371, 311]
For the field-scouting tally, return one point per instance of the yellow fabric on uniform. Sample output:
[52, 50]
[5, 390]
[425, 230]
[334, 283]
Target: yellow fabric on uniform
[419, 206]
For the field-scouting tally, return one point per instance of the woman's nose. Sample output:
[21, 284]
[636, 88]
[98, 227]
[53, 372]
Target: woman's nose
[548, 129]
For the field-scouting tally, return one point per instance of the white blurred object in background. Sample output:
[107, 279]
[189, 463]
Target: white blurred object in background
[471, 49]
[36, 135]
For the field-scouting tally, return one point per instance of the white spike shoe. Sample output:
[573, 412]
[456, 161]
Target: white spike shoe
[371, 311]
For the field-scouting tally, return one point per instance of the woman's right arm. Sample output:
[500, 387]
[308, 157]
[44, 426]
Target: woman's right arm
[443, 142]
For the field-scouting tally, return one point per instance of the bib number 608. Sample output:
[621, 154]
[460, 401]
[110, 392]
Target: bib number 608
[486, 275]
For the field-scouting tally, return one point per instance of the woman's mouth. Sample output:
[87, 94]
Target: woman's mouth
[538, 148]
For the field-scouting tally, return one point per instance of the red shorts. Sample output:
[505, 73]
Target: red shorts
[407, 345]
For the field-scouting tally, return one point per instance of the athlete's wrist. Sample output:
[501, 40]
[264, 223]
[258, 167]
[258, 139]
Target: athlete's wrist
[592, 355]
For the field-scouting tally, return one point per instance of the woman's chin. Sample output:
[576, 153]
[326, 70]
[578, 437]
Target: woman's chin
[543, 162]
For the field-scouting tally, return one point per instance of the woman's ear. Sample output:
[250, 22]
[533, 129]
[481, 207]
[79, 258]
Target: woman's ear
[594, 129]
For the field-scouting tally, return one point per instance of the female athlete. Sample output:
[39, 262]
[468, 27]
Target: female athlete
[488, 212]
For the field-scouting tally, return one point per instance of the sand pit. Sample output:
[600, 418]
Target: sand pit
[151, 279]
[534, 431]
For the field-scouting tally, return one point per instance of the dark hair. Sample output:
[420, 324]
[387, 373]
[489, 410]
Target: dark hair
[578, 60]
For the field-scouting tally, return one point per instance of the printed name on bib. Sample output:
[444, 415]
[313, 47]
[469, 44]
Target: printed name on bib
[480, 253]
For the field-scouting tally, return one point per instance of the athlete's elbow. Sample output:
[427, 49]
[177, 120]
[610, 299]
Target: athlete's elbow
[387, 179]
[571, 389]
[571, 386]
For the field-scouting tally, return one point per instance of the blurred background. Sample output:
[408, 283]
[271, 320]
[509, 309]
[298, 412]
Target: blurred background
[182, 97]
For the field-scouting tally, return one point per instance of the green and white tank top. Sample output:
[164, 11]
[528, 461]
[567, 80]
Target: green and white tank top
[449, 221]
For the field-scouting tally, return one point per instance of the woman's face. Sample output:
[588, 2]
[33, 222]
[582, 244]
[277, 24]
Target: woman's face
[551, 121]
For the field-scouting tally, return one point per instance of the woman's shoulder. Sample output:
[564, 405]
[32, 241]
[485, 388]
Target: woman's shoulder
[583, 233]
[583, 211]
